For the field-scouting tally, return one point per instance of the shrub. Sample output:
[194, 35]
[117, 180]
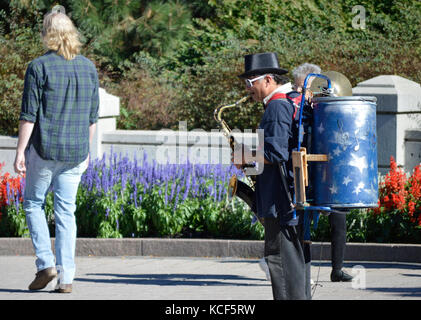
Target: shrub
[16, 50]
[184, 72]
[147, 102]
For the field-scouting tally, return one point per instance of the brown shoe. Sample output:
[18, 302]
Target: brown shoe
[42, 278]
[64, 288]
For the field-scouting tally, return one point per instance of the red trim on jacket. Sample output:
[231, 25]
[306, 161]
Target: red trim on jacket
[295, 101]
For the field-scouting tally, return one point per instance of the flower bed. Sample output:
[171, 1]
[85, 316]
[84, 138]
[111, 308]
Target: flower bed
[119, 197]
[399, 210]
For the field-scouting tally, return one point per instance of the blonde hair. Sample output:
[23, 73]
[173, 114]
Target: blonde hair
[60, 34]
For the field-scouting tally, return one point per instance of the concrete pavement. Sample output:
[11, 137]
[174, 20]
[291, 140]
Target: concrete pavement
[185, 278]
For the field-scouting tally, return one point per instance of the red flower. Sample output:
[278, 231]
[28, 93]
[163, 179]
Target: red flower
[395, 180]
[415, 183]
[400, 194]
[411, 208]
[14, 187]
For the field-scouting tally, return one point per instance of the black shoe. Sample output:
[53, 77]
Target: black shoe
[339, 275]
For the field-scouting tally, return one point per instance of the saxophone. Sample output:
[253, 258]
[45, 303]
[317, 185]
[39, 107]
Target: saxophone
[244, 191]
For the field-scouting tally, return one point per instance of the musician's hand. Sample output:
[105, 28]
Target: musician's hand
[239, 166]
[237, 157]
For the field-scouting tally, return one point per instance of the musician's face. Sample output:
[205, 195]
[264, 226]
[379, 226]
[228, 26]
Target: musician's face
[261, 88]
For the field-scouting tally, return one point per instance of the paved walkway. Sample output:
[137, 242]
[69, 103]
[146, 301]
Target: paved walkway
[164, 278]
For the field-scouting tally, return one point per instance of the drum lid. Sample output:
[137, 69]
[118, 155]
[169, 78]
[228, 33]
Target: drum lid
[345, 99]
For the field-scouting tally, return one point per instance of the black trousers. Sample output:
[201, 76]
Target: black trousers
[337, 223]
[284, 255]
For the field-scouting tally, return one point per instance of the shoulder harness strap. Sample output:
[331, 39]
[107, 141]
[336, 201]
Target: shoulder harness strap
[295, 101]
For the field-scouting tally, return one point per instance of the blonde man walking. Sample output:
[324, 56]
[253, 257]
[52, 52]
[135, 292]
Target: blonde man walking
[57, 121]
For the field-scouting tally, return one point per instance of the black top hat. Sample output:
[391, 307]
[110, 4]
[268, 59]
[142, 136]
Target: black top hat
[261, 63]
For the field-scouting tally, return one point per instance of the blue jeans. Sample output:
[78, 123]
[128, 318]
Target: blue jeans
[64, 178]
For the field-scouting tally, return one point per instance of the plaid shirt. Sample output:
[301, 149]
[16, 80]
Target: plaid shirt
[61, 98]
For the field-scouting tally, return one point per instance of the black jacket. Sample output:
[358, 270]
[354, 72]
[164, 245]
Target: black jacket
[280, 137]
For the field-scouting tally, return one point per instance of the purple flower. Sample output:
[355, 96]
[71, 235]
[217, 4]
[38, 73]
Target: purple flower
[7, 193]
[166, 193]
[172, 190]
[187, 189]
[176, 198]
[135, 194]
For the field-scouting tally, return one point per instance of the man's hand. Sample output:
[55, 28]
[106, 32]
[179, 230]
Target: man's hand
[237, 156]
[19, 164]
[237, 164]
[25, 131]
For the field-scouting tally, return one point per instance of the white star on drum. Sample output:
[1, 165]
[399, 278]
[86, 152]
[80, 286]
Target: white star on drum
[337, 151]
[333, 189]
[346, 180]
[320, 128]
[357, 190]
[359, 162]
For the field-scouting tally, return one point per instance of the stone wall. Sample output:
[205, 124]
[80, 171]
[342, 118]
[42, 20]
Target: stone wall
[398, 119]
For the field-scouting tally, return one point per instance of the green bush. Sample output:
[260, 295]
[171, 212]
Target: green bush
[16, 50]
[357, 222]
[165, 71]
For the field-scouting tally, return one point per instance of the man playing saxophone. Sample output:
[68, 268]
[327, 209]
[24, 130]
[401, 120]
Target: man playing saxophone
[274, 186]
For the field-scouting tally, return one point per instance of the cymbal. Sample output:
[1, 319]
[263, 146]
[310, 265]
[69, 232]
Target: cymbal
[340, 84]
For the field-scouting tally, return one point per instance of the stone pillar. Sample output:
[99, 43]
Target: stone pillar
[412, 148]
[109, 109]
[398, 119]
[8, 147]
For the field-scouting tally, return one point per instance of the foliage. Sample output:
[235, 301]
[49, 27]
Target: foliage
[148, 102]
[118, 29]
[189, 52]
[356, 224]
[17, 48]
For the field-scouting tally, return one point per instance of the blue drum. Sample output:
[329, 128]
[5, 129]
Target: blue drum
[344, 128]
